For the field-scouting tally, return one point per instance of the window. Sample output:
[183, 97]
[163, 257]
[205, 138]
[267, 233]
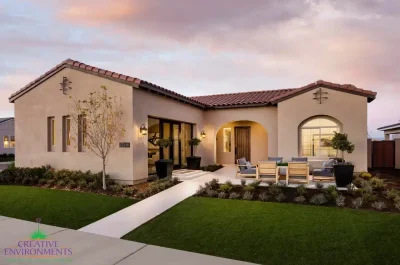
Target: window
[51, 134]
[82, 133]
[66, 129]
[227, 133]
[12, 141]
[315, 135]
[6, 141]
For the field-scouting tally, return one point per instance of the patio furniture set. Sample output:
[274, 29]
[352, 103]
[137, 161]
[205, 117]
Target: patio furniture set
[296, 171]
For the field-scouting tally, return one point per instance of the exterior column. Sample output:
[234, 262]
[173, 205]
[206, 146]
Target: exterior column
[387, 136]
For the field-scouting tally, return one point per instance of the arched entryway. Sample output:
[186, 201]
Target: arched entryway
[238, 139]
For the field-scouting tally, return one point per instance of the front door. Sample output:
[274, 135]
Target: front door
[242, 143]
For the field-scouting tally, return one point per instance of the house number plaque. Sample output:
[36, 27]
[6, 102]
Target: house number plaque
[124, 145]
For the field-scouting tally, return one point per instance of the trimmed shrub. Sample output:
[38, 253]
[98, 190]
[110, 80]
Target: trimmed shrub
[263, 197]
[319, 185]
[82, 184]
[358, 182]
[318, 199]
[397, 205]
[378, 206]
[201, 190]
[331, 193]
[116, 188]
[248, 196]
[211, 193]
[130, 191]
[340, 201]
[357, 203]
[391, 194]
[234, 196]
[300, 199]
[274, 190]
[141, 195]
[226, 187]
[301, 190]
[212, 184]
[377, 183]
[249, 188]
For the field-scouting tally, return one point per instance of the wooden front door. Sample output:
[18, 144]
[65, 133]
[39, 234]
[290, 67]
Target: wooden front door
[242, 143]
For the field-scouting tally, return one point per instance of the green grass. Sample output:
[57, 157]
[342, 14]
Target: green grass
[55, 207]
[274, 233]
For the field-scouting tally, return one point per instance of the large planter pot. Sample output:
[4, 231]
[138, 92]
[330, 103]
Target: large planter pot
[343, 174]
[164, 168]
[193, 162]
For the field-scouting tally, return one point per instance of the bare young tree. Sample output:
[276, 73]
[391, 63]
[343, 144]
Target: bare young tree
[99, 119]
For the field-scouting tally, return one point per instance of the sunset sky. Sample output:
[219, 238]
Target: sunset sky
[206, 47]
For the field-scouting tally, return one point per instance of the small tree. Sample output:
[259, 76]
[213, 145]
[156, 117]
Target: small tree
[164, 143]
[341, 143]
[103, 123]
[194, 142]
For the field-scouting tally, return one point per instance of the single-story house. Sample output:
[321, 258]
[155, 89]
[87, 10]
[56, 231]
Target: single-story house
[7, 135]
[286, 122]
[391, 131]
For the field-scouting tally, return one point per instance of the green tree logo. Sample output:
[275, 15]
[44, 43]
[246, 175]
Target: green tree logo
[37, 234]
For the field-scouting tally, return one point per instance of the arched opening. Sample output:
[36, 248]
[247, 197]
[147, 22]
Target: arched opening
[315, 134]
[238, 139]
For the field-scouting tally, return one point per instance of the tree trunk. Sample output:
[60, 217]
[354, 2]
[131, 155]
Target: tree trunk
[104, 174]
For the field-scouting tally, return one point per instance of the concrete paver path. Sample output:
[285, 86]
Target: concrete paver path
[91, 249]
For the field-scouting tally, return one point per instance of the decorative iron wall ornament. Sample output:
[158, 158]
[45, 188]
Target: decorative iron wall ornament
[319, 95]
[65, 85]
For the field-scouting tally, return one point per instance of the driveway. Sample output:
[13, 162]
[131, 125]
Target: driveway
[91, 249]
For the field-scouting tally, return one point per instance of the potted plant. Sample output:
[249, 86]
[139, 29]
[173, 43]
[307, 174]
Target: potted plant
[164, 167]
[193, 162]
[343, 171]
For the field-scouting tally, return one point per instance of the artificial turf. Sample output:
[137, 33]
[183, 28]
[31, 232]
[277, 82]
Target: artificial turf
[67, 209]
[275, 233]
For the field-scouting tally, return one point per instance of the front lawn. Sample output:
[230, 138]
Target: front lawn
[275, 233]
[56, 207]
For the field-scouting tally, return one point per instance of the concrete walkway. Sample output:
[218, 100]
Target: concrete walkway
[91, 249]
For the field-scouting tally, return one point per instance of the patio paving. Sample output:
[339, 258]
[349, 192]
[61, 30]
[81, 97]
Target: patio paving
[128, 219]
[90, 249]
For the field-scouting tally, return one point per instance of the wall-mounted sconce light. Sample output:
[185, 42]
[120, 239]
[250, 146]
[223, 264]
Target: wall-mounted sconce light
[203, 134]
[143, 129]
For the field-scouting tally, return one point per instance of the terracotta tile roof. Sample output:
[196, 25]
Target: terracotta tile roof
[242, 98]
[255, 98]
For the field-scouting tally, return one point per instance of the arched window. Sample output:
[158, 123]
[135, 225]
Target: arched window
[314, 135]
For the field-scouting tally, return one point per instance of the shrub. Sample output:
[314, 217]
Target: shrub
[130, 191]
[397, 205]
[222, 195]
[61, 183]
[282, 184]
[174, 180]
[391, 194]
[365, 175]
[377, 183]
[358, 182]
[274, 190]
[300, 199]
[243, 182]
[212, 184]
[249, 188]
[331, 193]
[350, 187]
[116, 188]
[234, 196]
[379, 205]
[72, 184]
[318, 199]
[226, 188]
[92, 186]
[26, 181]
[51, 182]
[357, 203]
[255, 183]
[280, 197]
[263, 197]
[301, 190]
[63, 174]
[82, 184]
[141, 195]
[211, 193]
[367, 187]
[368, 197]
[319, 185]
[42, 182]
[396, 199]
[340, 201]
[248, 196]
[201, 190]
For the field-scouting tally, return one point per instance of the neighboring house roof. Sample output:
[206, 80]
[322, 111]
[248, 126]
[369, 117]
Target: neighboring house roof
[390, 127]
[6, 119]
[244, 99]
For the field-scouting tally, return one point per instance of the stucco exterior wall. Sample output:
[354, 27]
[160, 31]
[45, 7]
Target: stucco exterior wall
[265, 116]
[6, 129]
[258, 144]
[147, 104]
[350, 110]
[397, 153]
[46, 100]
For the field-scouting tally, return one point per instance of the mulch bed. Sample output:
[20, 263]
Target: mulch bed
[291, 193]
[390, 176]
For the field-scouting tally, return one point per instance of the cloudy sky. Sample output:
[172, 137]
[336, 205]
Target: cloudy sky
[210, 46]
